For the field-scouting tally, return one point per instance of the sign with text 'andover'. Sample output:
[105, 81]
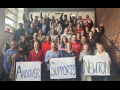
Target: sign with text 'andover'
[28, 71]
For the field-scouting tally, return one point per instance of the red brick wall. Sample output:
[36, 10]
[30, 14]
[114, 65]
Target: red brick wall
[110, 17]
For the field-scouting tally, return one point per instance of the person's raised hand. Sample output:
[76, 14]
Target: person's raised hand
[49, 12]
[62, 13]
[97, 29]
[41, 11]
[10, 53]
[23, 12]
[32, 13]
[101, 24]
[70, 14]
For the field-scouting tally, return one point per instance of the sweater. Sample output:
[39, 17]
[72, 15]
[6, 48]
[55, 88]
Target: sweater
[41, 38]
[58, 28]
[13, 61]
[104, 53]
[51, 55]
[7, 66]
[81, 60]
[67, 35]
[72, 54]
[46, 46]
[49, 32]
[79, 30]
[56, 38]
[18, 33]
[32, 31]
[76, 47]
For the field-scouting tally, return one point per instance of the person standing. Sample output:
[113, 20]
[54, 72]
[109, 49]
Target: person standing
[28, 38]
[86, 51]
[41, 37]
[53, 53]
[69, 52]
[18, 57]
[37, 55]
[32, 29]
[64, 40]
[78, 48]
[19, 32]
[7, 46]
[24, 44]
[66, 34]
[7, 66]
[55, 38]
[27, 22]
[101, 51]
[31, 42]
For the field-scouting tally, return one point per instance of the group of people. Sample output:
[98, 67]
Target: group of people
[47, 38]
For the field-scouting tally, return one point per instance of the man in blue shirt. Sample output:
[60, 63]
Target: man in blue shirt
[43, 26]
[7, 66]
[19, 32]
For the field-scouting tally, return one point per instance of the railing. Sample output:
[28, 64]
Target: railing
[114, 63]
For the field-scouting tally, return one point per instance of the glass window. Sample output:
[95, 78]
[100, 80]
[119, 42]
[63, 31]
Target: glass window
[10, 18]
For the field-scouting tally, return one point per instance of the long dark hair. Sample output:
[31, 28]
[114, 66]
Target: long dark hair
[17, 54]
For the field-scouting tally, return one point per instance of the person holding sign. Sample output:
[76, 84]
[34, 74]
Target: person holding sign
[37, 55]
[53, 53]
[18, 57]
[101, 51]
[86, 51]
[69, 52]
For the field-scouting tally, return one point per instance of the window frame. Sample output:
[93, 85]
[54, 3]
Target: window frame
[15, 14]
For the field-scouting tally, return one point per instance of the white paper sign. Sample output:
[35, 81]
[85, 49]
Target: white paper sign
[28, 71]
[96, 65]
[62, 68]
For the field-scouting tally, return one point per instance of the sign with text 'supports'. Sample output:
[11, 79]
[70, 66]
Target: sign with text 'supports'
[62, 68]
[96, 65]
[28, 71]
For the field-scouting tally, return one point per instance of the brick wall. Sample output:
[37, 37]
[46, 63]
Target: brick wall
[110, 17]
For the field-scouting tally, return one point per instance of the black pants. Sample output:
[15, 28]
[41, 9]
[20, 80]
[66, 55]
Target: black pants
[7, 76]
[78, 77]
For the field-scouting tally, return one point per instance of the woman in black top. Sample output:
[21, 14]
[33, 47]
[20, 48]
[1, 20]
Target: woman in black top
[24, 44]
[27, 33]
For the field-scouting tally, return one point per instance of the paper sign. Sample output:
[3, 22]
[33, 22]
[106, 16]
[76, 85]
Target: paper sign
[96, 65]
[28, 71]
[62, 68]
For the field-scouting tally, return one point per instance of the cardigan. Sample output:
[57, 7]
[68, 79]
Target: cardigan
[56, 38]
[12, 60]
[41, 39]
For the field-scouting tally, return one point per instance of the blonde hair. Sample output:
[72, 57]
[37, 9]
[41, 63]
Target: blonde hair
[102, 47]
[88, 48]
[53, 41]
[66, 47]
[53, 30]
[62, 39]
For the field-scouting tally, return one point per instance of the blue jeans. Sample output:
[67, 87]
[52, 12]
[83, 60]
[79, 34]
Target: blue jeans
[102, 78]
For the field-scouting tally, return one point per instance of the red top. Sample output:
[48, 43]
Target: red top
[46, 46]
[37, 57]
[87, 25]
[79, 30]
[77, 47]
